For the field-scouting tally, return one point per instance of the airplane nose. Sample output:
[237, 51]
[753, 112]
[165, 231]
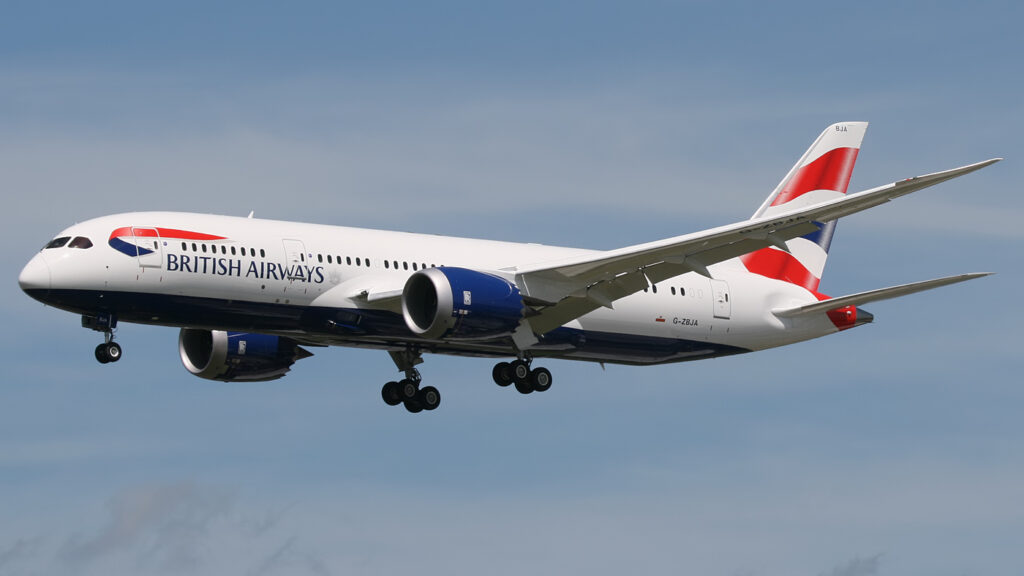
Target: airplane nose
[35, 277]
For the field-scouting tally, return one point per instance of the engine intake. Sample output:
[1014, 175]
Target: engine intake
[237, 356]
[460, 304]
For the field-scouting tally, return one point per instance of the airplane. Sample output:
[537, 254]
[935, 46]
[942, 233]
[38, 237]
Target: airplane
[251, 295]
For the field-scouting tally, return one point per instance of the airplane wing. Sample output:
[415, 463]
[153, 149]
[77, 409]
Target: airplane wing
[873, 295]
[564, 290]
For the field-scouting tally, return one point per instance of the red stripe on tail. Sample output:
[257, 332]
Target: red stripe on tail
[831, 171]
[780, 265]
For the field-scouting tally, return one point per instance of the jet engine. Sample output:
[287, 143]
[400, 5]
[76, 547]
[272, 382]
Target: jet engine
[460, 304]
[237, 356]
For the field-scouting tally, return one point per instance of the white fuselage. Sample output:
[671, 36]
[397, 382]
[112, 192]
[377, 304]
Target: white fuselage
[320, 285]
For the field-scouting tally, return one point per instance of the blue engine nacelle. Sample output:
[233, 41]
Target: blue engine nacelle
[237, 356]
[460, 304]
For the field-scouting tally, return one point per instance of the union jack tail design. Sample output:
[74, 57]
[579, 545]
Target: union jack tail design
[822, 174]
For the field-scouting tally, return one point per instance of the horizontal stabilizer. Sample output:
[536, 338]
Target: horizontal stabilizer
[873, 296]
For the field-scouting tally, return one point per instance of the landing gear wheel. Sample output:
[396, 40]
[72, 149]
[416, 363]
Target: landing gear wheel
[520, 373]
[408, 389]
[502, 374]
[391, 394]
[108, 352]
[413, 406]
[429, 398]
[113, 351]
[524, 387]
[540, 378]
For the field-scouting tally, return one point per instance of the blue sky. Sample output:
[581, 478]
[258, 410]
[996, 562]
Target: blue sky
[890, 449]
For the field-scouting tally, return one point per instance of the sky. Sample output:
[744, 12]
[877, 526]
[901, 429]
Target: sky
[890, 449]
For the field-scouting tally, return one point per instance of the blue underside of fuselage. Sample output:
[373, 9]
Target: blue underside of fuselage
[367, 328]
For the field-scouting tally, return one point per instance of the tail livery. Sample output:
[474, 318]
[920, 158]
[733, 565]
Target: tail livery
[822, 174]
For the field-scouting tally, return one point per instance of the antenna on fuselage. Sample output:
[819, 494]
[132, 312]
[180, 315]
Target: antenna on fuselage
[251, 212]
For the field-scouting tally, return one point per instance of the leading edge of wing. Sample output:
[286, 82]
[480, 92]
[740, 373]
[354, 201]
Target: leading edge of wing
[553, 281]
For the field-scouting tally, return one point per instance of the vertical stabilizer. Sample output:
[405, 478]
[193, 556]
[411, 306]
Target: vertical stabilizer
[822, 174]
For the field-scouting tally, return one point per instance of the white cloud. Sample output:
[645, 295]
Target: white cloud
[162, 528]
[857, 567]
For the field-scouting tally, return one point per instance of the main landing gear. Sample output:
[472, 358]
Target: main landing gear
[526, 379]
[407, 391]
[108, 351]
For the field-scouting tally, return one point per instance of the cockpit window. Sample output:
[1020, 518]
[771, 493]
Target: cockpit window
[57, 242]
[80, 242]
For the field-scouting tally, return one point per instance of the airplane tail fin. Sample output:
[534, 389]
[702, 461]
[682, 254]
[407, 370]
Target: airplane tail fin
[822, 173]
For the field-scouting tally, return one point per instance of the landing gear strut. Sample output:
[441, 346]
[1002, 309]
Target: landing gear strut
[518, 372]
[108, 351]
[407, 391]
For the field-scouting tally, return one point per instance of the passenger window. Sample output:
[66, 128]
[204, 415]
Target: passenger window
[263, 253]
[194, 249]
[358, 262]
[673, 290]
[223, 249]
[184, 247]
[233, 251]
[348, 259]
[405, 265]
[387, 264]
[80, 242]
[654, 288]
[329, 261]
[367, 262]
[414, 266]
[682, 291]
[320, 258]
[204, 247]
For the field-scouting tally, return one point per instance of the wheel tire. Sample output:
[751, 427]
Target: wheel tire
[524, 387]
[540, 378]
[408, 389]
[413, 406]
[113, 351]
[429, 398]
[391, 394]
[502, 374]
[101, 354]
[520, 372]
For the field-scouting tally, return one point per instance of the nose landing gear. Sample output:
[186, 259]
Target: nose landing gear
[108, 351]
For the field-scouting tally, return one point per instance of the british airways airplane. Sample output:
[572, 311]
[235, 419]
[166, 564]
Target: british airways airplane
[250, 294]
